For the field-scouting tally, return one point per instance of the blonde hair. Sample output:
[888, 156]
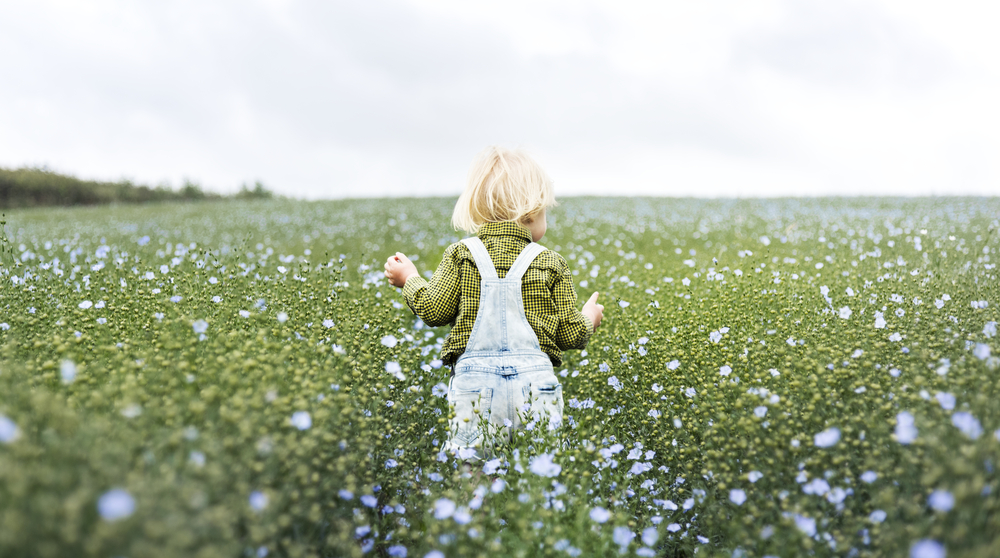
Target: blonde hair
[503, 185]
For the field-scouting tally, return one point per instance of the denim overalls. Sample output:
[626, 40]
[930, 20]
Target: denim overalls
[503, 375]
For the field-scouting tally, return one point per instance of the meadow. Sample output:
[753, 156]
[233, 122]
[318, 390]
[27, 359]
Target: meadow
[814, 377]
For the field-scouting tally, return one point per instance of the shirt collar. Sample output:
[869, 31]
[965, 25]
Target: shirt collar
[504, 228]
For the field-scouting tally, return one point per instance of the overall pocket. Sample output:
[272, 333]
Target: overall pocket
[546, 402]
[470, 406]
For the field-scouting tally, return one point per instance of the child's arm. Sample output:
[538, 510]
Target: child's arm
[575, 327]
[434, 302]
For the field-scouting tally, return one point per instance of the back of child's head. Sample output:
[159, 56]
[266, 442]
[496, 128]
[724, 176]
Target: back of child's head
[503, 185]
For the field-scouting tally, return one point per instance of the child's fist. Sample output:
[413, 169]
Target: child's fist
[593, 310]
[399, 268]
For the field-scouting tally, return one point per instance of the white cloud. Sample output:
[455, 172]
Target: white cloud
[391, 97]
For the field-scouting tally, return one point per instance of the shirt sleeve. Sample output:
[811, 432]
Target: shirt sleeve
[435, 301]
[574, 328]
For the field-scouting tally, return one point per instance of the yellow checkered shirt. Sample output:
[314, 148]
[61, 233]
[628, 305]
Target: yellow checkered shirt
[452, 294]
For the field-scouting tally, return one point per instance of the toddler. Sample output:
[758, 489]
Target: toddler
[511, 302]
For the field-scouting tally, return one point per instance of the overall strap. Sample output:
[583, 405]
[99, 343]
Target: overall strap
[481, 257]
[524, 259]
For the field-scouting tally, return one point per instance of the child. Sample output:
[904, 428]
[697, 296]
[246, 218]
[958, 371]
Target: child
[510, 301]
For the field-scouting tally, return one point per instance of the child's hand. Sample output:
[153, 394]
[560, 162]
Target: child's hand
[399, 268]
[593, 310]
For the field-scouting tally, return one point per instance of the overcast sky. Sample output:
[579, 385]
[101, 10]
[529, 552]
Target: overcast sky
[394, 97]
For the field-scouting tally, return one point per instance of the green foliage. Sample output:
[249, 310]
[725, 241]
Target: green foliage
[30, 187]
[225, 367]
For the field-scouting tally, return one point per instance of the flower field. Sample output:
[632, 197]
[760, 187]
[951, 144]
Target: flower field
[772, 378]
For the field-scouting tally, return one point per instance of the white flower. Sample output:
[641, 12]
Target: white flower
[282, 317]
[982, 351]
[673, 365]
[845, 313]
[649, 536]
[131, 411]
[623, 536]
[390, 341]
[85, 304]
[328, 323]
[715, 337]
[282, 269]
[805, 524]
[968, 424]
[906, 431]
[754, 476]
[393, 368]
[927, 548]
[67, 371]
[946, 400]
[895, 337]
[725, 370]
[9, 432]
[600, 515]
[990, 329]
[258, 500]
[737, 496]
[468, 453]
[879, 320]
[301, 420]
[623, 304]
[543, 466]
[836, 496]
[760, 411]
[116, 504]
[640, 467]
[673, 527]
[877, 516]
[200, 326]
[816, 486]
[690, 392]
[654, 413]
[498, 486]
[941, 500]
[164, 269]
[869, 476]
[827, 438]
[244, 314]
[216, 299]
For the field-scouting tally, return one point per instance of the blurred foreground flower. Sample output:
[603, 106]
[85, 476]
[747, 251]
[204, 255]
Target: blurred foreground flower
[116, 504]
[9, 431]
[301, 420]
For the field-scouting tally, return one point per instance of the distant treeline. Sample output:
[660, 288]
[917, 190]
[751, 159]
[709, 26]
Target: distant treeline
[30, 187]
